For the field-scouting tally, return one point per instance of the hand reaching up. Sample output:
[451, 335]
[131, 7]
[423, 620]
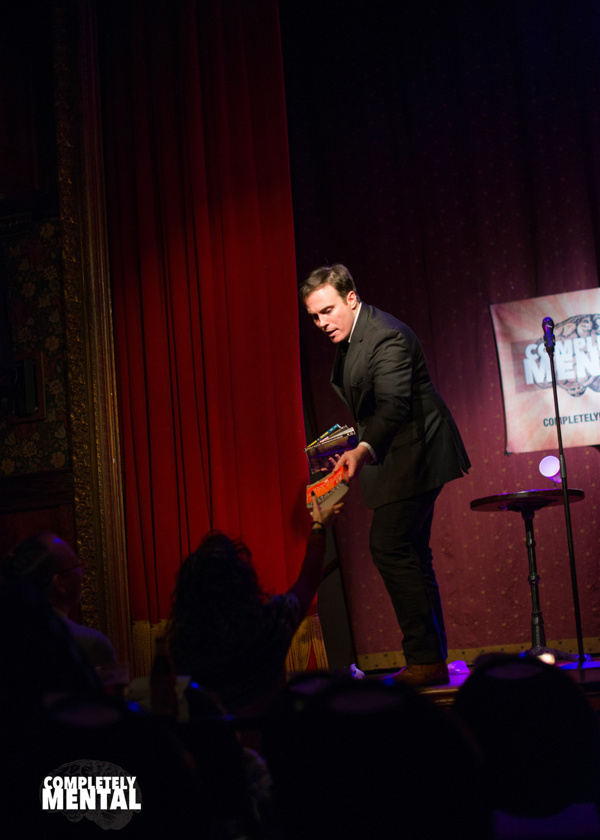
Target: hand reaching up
[324, 516]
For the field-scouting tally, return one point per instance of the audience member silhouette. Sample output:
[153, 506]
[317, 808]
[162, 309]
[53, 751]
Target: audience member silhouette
[540, 740]
[46, 563]
[226, 770]
[39, 659]
[225, 632]
[346, 756]
[55, 717]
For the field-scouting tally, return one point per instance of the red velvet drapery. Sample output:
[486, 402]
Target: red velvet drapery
[204, 286]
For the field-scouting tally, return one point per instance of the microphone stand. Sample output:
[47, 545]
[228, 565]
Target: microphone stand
[548, 326]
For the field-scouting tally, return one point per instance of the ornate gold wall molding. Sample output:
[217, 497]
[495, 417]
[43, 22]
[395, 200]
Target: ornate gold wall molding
[93, 413]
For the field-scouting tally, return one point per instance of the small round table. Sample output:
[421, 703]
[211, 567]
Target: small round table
[527, 502]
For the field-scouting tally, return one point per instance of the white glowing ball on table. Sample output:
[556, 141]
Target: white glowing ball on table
[550, 468]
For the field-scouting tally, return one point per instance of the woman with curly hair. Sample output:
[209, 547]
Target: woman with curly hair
[226, 632]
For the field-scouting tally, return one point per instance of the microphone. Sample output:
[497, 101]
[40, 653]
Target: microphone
[548, 327]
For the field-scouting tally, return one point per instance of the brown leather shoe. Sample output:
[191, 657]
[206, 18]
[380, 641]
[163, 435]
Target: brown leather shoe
[423, 675]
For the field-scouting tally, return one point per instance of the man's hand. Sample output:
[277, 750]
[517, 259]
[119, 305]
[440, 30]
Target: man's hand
[355, 459]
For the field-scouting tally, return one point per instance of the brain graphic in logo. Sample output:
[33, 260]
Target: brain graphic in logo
[586, 328]
[105, 819]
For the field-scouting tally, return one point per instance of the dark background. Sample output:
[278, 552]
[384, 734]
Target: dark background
[448, 154]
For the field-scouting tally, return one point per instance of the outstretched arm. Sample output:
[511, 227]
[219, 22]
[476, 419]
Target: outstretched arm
[309, 578]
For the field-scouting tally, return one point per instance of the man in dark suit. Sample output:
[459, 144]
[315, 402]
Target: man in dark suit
[409, 447]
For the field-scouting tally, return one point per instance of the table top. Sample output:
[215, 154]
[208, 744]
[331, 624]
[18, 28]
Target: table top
[526, 501]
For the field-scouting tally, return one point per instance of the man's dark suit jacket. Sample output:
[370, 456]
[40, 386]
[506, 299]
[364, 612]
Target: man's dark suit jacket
[385, 383]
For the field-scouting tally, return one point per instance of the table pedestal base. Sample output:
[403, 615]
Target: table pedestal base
[527, 502]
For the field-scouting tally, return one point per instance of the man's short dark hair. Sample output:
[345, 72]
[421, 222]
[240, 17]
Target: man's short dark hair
[336, 275]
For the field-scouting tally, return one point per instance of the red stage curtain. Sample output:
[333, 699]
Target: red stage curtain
[204, 287]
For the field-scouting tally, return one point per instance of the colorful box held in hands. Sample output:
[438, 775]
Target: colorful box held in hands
[330, 489]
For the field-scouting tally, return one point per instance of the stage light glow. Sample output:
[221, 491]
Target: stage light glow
[547, 657]
[550, 468]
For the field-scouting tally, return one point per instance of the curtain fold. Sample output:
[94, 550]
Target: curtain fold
[204, 287]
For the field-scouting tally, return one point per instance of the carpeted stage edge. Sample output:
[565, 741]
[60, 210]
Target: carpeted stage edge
[587, 677]
[372, 663]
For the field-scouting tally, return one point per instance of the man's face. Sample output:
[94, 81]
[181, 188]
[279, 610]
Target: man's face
[331, 313]
[67, 583]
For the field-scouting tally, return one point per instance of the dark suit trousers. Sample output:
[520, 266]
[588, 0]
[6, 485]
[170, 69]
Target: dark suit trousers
[399, 542]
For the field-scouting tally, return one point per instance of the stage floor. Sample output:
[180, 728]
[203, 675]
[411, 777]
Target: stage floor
[588, 677]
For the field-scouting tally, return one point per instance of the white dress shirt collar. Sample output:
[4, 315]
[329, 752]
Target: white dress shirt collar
[355, 320]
